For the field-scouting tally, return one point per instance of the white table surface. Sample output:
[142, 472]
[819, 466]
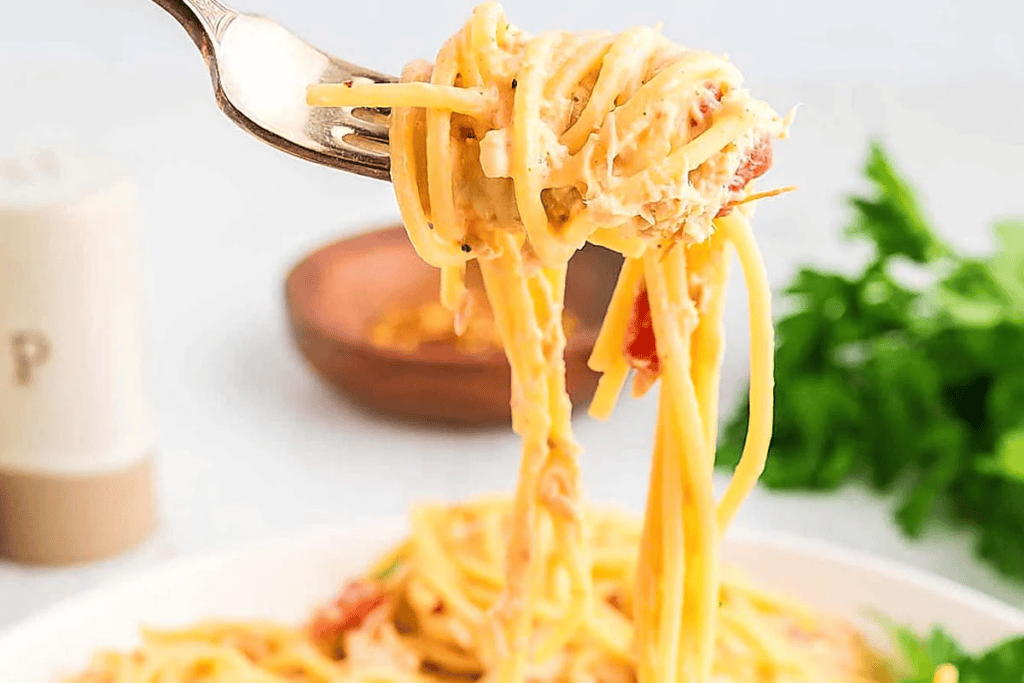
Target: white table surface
[252, 445]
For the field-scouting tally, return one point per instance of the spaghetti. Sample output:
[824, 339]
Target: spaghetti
[419, 616]
[639, 145]
[515, 150]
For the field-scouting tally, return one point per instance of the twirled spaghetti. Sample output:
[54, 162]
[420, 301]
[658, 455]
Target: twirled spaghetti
[515, 150]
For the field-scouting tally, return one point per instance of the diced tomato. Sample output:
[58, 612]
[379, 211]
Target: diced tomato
[716, 93]
[640, 347]
[757, 162]
[754, 166]
[348, 611]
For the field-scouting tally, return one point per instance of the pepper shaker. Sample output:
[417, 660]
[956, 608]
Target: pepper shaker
[76, 438]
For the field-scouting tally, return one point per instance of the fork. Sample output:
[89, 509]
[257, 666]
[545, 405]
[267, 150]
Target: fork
[260, 72]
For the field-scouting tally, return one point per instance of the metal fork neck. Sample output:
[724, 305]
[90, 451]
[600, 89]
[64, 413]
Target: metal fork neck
[209, 23]
[203, 20]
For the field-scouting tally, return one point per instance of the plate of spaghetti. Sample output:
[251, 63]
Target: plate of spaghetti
[362, 603]
[513, 151]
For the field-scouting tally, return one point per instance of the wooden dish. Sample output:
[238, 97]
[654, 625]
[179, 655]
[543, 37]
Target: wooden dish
[339, 292]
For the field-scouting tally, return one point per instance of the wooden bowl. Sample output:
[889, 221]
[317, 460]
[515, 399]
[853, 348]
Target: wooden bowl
[337, 293]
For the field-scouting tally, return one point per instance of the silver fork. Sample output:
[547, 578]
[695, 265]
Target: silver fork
[260, 72]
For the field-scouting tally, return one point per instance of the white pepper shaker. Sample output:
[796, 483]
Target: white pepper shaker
[76, 437]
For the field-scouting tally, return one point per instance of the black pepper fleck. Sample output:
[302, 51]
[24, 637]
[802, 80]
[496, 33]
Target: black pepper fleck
[514, 83]
[466, 248]
[430, 225]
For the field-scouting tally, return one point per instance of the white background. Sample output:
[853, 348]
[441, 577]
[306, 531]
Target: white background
[251, 445]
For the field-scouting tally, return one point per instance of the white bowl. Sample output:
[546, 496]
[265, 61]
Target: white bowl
[285, 579]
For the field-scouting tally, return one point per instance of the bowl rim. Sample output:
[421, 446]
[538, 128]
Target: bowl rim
[578, 344]
[888, 568]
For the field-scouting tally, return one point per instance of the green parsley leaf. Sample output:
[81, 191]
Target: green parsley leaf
[921, 656]
[893, 219]
[1007, 265]
[1003, 663]
[388, 571]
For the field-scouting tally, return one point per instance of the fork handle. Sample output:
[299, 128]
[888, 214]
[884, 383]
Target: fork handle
[203, 20]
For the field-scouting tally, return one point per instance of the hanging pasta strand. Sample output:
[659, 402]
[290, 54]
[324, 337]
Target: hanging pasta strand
[674, 319]
[559, 477]
[762, 359]
[710, 263]
[515, 316]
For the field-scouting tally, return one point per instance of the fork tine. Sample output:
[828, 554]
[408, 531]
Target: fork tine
[365, 145]
[371, 122]
[345, 119]
[375, 115]
[361, 131]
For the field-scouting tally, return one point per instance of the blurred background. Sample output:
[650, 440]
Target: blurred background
[251, 443]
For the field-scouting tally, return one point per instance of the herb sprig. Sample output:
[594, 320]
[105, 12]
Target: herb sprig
[918, 389]
[921, 656]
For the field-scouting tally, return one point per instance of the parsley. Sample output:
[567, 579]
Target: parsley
[388, 571]
[918, 390]
[920, 656]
